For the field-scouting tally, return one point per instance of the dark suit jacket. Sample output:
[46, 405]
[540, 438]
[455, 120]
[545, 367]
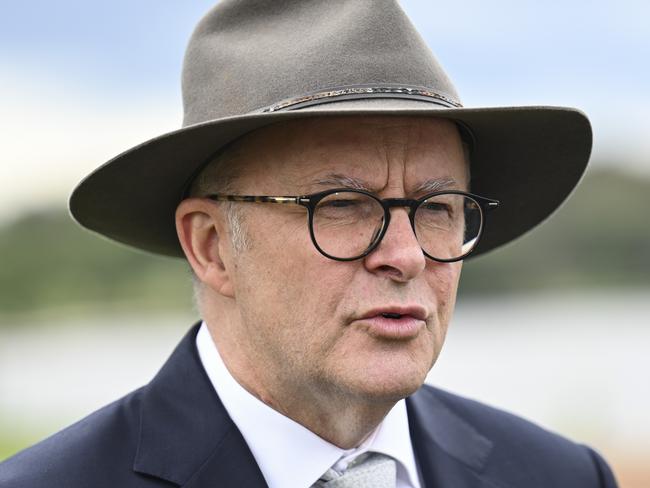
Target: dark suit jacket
[176, 432]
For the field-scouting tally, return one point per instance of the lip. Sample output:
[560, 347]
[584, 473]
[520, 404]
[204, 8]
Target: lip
[412, 320]
[416, 311]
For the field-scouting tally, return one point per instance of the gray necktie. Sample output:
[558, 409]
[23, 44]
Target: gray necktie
[369, 470]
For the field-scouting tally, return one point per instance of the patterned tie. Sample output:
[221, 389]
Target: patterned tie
[369, 470]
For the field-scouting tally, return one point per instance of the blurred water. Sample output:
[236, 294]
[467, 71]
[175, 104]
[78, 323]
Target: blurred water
[577, 364]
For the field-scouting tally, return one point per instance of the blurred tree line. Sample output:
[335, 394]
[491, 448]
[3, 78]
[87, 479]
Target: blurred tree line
[600, 238]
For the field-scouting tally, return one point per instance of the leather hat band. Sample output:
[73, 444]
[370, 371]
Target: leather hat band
[361, 92]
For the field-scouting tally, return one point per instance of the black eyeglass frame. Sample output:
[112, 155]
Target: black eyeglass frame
[310, 202]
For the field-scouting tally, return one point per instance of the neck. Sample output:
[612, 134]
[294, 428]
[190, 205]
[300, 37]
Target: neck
[339, 417]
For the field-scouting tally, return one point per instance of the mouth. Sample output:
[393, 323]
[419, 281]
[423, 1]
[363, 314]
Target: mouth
[396, 323]
[391, 315]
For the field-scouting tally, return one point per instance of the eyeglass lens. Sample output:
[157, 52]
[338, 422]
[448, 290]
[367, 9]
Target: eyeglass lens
[346, 224]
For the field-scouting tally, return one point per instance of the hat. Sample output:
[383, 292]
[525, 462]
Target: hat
[251, 63]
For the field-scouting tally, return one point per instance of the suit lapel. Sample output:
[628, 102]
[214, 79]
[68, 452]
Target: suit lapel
[186, 435]
[449, 451]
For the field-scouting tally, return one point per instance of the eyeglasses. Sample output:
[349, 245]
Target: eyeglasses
[347, 224]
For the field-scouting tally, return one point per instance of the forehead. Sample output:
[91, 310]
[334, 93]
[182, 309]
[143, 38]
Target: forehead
[382, 151]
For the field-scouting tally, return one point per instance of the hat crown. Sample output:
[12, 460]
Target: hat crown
[247, 55]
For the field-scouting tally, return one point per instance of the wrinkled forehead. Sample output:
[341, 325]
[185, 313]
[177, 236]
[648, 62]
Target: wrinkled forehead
[380, 152]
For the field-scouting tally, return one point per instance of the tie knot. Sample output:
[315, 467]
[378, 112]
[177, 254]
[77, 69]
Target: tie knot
[368, 470]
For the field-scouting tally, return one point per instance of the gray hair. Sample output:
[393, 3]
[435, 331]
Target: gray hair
[219, 176]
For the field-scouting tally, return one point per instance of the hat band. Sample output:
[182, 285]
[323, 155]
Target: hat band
[361, 92]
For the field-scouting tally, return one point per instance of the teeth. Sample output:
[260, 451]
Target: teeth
[391, 315]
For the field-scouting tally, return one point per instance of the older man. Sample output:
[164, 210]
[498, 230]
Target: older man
[325, 190]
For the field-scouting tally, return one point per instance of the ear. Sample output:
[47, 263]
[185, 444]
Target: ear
[201, 232]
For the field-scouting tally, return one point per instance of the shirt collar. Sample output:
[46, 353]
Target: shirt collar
[287, 453]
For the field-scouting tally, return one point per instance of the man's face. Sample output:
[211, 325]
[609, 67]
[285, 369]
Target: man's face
[312, 326]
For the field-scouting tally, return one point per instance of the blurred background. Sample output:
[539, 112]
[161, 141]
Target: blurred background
[553, 327]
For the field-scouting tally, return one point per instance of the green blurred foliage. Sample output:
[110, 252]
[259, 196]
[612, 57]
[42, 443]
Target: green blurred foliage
[48, 261]
[10, 444]
[600, 238]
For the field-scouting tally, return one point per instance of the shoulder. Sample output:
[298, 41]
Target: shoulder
[492, 422]
[98, 447]
[501, 427]
[516, 446]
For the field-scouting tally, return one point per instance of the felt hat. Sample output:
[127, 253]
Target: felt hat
[251, 63]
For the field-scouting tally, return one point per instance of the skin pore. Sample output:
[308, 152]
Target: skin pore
[297, 329]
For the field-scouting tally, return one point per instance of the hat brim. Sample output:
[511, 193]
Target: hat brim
[529, 158]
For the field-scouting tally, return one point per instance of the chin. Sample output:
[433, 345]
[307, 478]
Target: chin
[386, 384]
[390, 395]
[389, 371]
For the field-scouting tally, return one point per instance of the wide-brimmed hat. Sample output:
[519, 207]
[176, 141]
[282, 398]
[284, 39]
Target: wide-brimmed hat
[251, 63]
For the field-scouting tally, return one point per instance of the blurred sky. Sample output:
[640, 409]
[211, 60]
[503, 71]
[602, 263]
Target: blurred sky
[82, 81]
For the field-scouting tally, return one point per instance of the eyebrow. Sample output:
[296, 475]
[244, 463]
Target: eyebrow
[429, 186]
[336, 179]
[434, 184]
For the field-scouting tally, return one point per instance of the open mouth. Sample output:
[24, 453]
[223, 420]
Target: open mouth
[393, 325]
[394, 321]
[391, 315]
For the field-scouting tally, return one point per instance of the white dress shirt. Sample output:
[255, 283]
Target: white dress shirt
[290, 455]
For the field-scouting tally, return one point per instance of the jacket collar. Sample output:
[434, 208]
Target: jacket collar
[449, 450]
[186, 436]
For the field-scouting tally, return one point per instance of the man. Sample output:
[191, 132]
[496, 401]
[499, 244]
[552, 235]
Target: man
[325, 190]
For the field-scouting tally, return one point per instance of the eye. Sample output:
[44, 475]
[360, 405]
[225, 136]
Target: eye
[340, 203]
[436, 207]
[348, 205]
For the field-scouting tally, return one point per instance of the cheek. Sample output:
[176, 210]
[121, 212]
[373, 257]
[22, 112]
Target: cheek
[291, 286]
[443, 281]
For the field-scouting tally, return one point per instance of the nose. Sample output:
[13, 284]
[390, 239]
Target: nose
[398, 255]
